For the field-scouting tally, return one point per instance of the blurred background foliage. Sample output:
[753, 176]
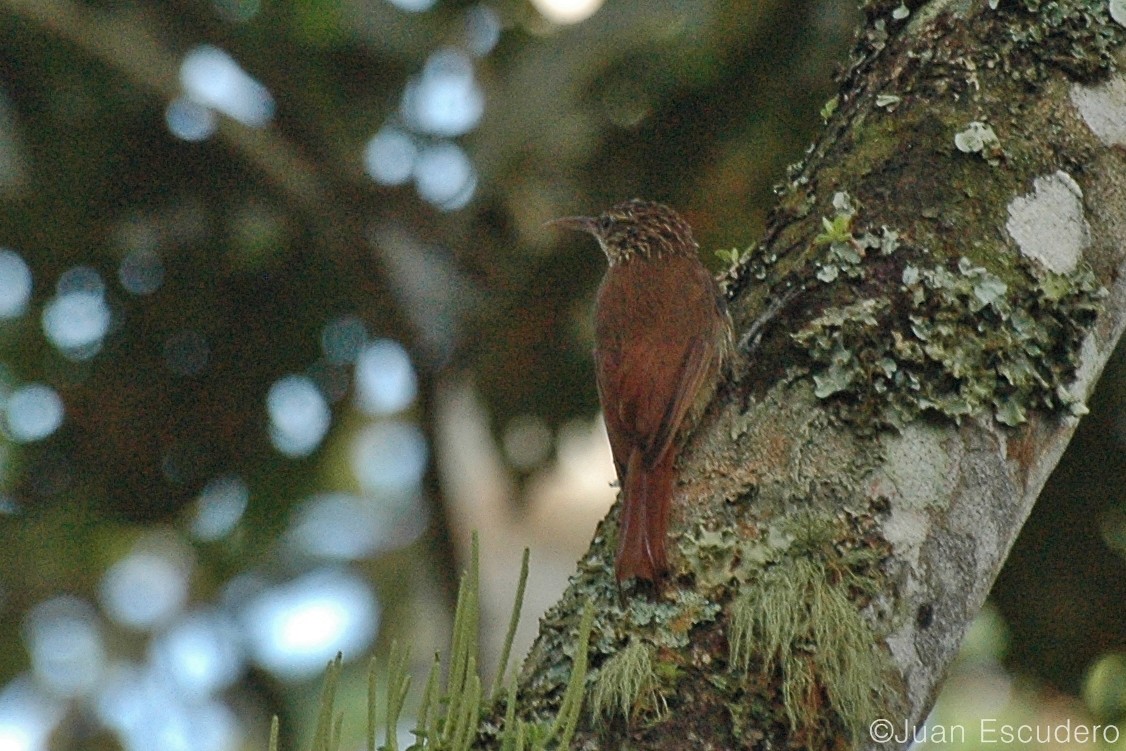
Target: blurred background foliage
[279, 325]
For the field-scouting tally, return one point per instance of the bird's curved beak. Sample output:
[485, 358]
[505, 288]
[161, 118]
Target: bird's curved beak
[577, 223]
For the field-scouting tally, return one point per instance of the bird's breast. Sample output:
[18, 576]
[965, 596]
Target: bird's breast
[653, 301]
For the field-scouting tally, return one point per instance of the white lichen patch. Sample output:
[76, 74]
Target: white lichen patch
[919, 471]
[976, 137]
[979, 138]
[1118, 11]
[1089, 361]
[906, 529]
[1103, 108]
[1048, 224]
[903, 650]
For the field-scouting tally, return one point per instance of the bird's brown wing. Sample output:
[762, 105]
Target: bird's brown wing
[650, 371]
[605, 368]
[693, 370]
[634, 418]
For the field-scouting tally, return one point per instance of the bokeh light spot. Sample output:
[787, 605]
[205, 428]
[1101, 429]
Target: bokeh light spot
[345, 527]
[190, 121]
[482, 29]
[389, 457]
[219, 508]
[76, 322]
[445, 100]
[389, 156]
[299, 415]
[80, 279]
[564, 12]
[33, 412]
[412, 6]
[149, 586]
[148, 712]
[200, 653]
[8, 505]
[27, 716]
[64, 639]
[141, 272]
[444, 176]
[295, 628]
[211, 77]
[385, 379]
[15, 284]
[342, 339]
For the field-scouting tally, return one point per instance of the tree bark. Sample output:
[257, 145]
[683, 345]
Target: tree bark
[937, 294]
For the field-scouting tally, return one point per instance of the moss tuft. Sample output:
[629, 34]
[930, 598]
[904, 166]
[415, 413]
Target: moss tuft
[627, 684]
[799, 622]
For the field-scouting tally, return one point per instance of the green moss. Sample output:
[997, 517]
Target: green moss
[798, 624]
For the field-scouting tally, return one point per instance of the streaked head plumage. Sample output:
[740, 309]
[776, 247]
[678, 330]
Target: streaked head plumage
[636, 228]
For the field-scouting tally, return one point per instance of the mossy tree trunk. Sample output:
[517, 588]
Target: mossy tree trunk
[938, 292]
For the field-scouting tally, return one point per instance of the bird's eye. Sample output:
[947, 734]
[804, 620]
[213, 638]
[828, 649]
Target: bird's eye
[605, 222]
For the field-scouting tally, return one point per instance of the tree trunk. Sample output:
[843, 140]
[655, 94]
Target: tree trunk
[938, 292]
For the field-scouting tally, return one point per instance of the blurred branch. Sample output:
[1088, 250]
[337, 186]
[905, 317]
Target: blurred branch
[124, 42]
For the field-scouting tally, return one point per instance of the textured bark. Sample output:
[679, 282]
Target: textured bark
[920, 329]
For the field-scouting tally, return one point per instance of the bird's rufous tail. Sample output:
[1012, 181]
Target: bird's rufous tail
[644, 519]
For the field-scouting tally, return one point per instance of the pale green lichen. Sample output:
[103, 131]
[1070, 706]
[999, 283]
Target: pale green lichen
[953, 340]
[716, 556]
[830, 108]
[979, 138]
[798, 622]
[1117, 10]
[844, 251]
[795, 629]
[1078, 36]
[627, 684]
[888, 101]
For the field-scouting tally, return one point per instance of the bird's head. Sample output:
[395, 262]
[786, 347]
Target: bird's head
[635, 228]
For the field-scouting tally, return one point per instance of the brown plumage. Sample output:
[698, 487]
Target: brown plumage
[661, 337]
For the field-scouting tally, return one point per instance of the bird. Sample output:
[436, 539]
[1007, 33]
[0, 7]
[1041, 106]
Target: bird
[662, 339]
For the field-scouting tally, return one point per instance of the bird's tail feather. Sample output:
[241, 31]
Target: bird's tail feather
[644, 519]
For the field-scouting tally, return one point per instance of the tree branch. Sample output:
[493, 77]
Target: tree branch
[952, 258]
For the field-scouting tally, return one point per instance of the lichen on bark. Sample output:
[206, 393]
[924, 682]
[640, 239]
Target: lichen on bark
[944, 337]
